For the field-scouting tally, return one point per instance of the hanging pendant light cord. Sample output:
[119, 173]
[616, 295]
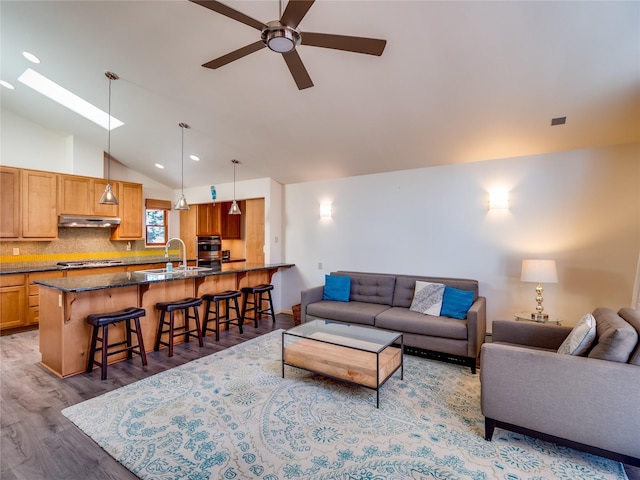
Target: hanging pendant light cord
[109, 138]
[182, 162]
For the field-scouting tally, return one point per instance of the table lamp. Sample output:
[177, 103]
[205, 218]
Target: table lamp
[539, 271]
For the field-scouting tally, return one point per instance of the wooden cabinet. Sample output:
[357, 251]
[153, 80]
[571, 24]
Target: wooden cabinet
[254, 213]
[208, 219]
[188, 220]
[81, 196]
[28, 204]
[38, 205]
[12, 301]
[33, 292]
[231, 224]
[130, 212]
[10, 203]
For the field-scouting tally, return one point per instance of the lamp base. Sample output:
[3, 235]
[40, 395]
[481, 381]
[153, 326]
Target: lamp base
[540, 317]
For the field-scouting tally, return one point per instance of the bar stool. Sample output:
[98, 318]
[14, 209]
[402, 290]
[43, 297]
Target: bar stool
[185, 304]
[259, 294]
[221, 318]
[103, 320]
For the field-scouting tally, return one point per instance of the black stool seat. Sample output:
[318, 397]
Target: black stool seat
[100, 319]
[226, 295]
[103, 320]
[179, 304]
[263, 287]
[253, 300]
[189, 306]
[212, 311]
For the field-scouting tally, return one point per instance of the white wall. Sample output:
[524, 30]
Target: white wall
[581, 208]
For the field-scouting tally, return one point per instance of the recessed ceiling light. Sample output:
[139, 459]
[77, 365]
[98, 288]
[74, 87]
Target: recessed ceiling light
[7, 85]
[159, 165]
[31, 57]
[195, 158]
[64, 97]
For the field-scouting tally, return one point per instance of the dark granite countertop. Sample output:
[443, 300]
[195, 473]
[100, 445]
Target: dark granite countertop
[114, 280]
[32, 267]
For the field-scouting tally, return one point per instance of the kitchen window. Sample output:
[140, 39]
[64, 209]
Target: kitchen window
[156, 222]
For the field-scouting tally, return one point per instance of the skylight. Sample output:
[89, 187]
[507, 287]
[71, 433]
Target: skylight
[67, 99]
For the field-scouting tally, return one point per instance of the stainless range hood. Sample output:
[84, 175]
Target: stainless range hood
[77, 221]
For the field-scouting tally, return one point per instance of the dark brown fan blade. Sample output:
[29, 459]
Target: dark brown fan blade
[235, 55]
[370, 46]
[222, 9]
[295, 12]
[296, 67]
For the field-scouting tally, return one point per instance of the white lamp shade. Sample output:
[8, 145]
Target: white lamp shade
[539, 271]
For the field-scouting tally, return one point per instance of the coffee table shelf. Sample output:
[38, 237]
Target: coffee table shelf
[360, 355]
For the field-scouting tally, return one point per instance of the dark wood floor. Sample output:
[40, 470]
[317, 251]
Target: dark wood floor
[38, 442]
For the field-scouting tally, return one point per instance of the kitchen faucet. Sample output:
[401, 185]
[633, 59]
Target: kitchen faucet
[184, 251]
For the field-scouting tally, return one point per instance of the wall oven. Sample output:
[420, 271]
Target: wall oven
[209, 251]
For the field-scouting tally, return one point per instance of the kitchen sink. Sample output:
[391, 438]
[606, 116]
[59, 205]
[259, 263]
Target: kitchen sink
[177, 270]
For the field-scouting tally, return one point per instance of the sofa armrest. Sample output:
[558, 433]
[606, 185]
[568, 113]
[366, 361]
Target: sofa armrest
[589, 401]
[530, 334]
[476, 326]
[310, 295]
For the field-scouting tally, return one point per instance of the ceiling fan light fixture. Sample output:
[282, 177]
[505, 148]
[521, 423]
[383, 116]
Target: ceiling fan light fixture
[280, 38]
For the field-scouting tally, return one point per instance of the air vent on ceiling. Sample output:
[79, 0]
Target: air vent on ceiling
[558, 121]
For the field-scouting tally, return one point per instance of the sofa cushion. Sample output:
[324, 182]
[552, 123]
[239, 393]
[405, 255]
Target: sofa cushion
[401, 319]
[581, 338]
[405, 286]
[616, 339]
[427, 298]
[632, 317]
[456, 302]
[337, 288]
[370, 287]
[351, 312]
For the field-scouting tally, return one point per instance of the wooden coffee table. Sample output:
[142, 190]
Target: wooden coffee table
[361, 355]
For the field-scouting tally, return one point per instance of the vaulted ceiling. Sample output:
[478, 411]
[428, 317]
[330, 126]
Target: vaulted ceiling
[457, 82]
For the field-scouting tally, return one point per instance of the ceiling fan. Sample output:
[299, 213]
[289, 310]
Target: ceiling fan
[282, 36]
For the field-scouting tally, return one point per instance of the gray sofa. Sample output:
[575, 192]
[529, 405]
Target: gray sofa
[383, 301]
[590, 403]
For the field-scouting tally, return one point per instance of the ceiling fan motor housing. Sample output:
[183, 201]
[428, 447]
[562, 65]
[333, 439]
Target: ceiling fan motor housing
[280, 38]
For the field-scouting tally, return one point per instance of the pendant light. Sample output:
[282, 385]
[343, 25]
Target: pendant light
[108, 197]
[235, 209]
[182, 204]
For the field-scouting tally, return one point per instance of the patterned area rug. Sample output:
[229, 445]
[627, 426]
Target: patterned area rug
[231, 416]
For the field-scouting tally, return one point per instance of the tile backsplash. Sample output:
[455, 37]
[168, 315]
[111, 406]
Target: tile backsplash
[74, 243]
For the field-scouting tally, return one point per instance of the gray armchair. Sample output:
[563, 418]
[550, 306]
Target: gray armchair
[584, 403]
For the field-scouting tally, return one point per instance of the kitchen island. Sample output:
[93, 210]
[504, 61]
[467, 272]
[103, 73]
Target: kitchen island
[66, 302]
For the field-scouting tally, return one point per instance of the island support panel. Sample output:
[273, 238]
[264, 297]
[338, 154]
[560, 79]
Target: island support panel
[65, 335]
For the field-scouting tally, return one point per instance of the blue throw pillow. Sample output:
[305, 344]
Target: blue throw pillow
[456, 303]
[336, 288]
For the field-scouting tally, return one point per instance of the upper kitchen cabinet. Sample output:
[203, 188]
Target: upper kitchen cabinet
[28, 204]
[208, 219]
[130, 212]
[231, 224]
[38, 204]
[81, 196]
[10, 202]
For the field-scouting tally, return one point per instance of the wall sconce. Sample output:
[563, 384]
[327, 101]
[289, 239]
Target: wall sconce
[499, 200]
[325, 210]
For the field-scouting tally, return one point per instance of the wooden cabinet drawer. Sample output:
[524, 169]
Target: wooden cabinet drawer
[12, 280]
